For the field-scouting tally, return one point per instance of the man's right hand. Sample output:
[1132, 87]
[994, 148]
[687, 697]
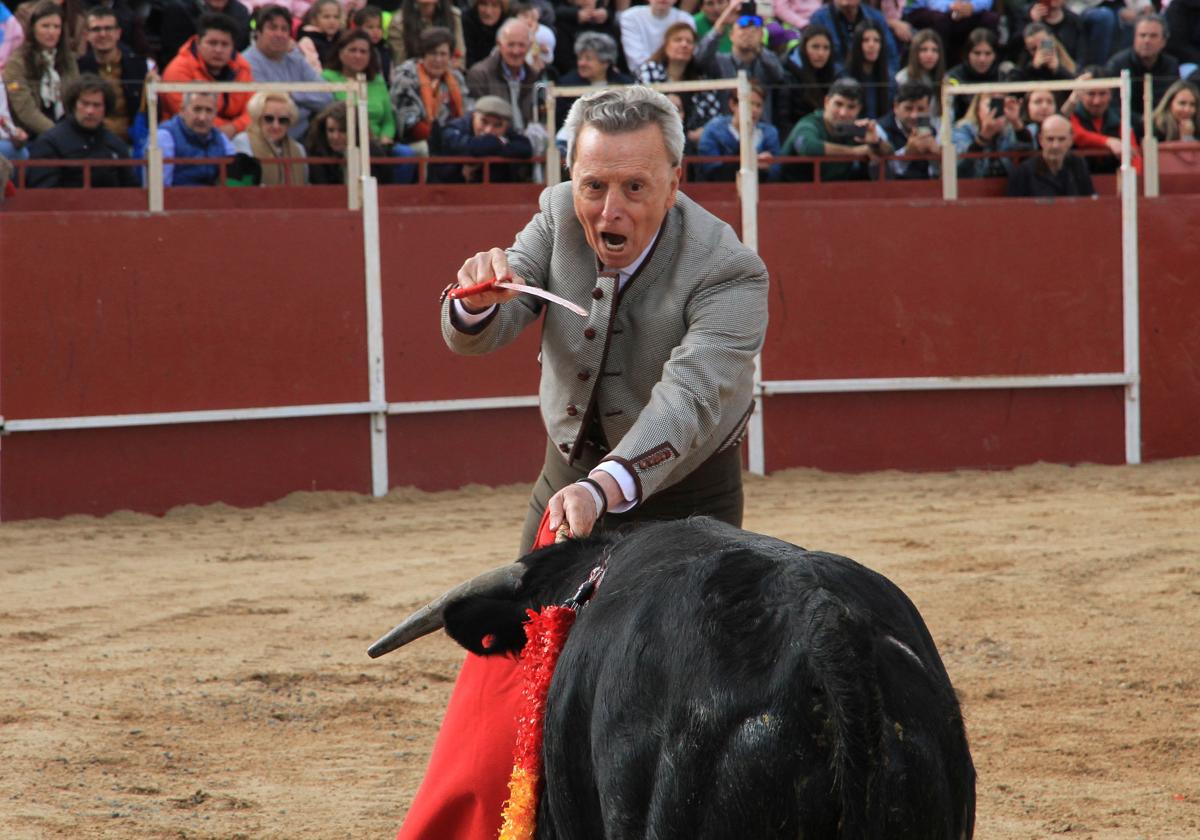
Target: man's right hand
[484, 266]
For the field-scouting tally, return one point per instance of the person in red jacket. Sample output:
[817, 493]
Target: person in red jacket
[1096, 124]
[209, 56]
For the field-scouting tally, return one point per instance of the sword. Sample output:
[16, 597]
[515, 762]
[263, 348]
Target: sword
[460, 292]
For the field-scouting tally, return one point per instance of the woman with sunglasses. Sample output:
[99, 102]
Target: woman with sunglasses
[267, 140]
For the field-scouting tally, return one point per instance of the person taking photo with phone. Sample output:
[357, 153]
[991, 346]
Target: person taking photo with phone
[838, 130]
[912, 132]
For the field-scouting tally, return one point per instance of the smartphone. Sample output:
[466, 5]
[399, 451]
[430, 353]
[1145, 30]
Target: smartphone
[1046, 44]
[923, 125]
[996, 106]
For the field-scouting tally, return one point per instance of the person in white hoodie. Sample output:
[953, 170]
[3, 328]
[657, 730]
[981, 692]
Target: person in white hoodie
[643, 28]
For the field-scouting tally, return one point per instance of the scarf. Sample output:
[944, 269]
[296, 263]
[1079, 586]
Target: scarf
[50, 87]
[431, 99]
[275, 174]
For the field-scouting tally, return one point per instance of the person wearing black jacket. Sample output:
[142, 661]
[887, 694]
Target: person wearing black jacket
[109, 58]
[179, 19]
[1183, 20]
[1055, 172]
[485, 132]
[1147, 57]
[82, 135]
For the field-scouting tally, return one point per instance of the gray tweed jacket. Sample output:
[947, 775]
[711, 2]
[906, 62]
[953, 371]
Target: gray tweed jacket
[666, 367]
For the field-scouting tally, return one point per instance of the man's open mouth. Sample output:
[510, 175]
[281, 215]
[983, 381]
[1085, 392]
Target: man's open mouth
[613, 241]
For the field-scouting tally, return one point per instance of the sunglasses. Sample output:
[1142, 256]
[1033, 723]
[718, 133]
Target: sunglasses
[749, 20]
[272, 119]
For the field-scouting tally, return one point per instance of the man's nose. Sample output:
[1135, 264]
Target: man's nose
[614, 206]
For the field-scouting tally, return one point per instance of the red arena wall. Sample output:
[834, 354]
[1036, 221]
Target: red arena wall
[107, 313]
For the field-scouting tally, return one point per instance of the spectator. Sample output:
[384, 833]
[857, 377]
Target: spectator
[1038, 105]
[952, 20]
[797, 14]
[840, 17]
[319, 33]
[1106, 23]
[74, 27]
[130, 23]
[13, 138]
[989, 126]
[867, 65]
[1175, 116]
[710, 13]
[1054, 172]
[276, 58]
[1043, 59]
[414, 17]
[181, 18]
[1096, 124]
[481, 21]
[576, 16]
[267, 140]
[327, 138]
[353, 56]
[428, 92]
[747, 54]
[836, 130]
[112, 61]
[209, 56]
[911, 131]
[810, 65]
[893, 13]
[643, 29]
[370, 20]
[36, 74]
[192, 134]
[675, 61]
[979, 67]
[1183, 26]
[596, 64]
[926, 63]
[1147, 57]
[505, 74]
[487, 131]
[1064, 25]
[721, 138]
[542, 40]
[11, 36]
[82, 135]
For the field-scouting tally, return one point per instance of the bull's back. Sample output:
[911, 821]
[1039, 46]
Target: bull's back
[727, 685]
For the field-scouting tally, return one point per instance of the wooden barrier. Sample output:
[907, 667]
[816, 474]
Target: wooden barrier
[109, 313]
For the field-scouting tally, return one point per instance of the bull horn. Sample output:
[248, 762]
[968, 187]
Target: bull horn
[503, 581]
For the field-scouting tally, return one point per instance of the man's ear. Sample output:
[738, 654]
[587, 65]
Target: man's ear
[676, 175]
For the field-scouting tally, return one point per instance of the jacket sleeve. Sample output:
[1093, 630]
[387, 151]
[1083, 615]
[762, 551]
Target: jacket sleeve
[166, 143]
[43, 177]
[710, 146]
[22, 102]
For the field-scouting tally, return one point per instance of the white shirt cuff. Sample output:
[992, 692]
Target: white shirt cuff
[624, 479]
[469, 319]
[596, 497]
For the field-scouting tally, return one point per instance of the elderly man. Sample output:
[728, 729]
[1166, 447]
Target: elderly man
[645, 401]
[485, 132]
[191, 134]
[209, 56]
[504, 73]
[1147, 57]
[747, 53]
[276, 58]
[114, 62]
[1055, 172]
[82, 135]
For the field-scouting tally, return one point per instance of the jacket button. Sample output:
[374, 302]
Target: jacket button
[565, 447]
[597, 293]
[584, 375]
[589, 333]
[572, 411]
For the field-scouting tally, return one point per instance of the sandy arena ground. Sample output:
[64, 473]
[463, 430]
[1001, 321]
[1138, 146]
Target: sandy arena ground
[204, 675]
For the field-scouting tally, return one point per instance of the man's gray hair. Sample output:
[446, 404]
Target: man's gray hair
[616, 110]
[188, 96]
[508, 26]
[604, 47]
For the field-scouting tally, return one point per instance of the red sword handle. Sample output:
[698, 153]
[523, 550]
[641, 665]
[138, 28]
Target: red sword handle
[461, 292]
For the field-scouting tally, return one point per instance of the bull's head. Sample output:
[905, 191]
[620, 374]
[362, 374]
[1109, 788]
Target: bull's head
[491, 607]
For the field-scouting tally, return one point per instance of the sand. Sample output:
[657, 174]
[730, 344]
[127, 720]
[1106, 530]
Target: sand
[204, 674]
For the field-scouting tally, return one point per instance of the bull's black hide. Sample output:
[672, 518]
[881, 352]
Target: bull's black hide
[723, 684]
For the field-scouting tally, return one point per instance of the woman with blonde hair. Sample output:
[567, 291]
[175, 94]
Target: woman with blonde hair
[267, 140]
[1175, 117]
[989, 126]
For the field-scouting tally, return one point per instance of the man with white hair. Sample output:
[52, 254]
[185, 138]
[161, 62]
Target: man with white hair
[645, 400]
[506, 74]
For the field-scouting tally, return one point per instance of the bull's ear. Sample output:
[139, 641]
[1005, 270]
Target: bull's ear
[486, 626]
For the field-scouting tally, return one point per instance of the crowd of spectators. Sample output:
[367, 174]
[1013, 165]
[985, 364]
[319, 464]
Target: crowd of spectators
[857, 81]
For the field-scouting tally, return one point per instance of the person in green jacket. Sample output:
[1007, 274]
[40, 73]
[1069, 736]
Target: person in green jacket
[355, 55]
[836, 130]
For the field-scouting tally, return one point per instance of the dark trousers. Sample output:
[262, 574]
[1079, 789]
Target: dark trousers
[714, 489]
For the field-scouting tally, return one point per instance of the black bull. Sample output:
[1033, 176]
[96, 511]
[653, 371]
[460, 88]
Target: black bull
[724, 684]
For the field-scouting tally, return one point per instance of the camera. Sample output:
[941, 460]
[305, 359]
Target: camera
[749, 8]
[845, 133]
